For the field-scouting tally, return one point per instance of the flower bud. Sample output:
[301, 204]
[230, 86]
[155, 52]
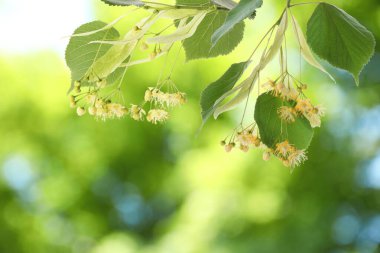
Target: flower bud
[148, 95]
[92, 110]
[228, 147]
[266, 156]
[81, 111]
[244, 148]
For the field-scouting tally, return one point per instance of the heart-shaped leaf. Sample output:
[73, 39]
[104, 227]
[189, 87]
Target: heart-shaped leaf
[340, 39]
[273, 130]
[244, 9]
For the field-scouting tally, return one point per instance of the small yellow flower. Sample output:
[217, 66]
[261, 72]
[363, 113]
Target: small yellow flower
[248, 139]
[303, 106]
[289, 93]
[99, 103]
[284, 148]
[244, 148]
[92, 110]
[286, 113]
[296, 158]
[157, 115]
[148, 95]
[116, 110]
[319, 110]
[137, 113]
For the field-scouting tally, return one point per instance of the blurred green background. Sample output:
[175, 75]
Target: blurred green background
[70, 184]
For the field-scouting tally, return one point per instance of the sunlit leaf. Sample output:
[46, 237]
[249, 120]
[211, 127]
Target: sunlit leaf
[244, 9]
[193, 2]
[80, 55]
[124, 2]
[305, 49]
[216, 89]
[181, 33]
[229, 4]
[199, 45]
[340, 39]
[117, 54]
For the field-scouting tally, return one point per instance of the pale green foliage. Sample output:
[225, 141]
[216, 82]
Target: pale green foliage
[216, 89]
[200, 45]
[340, 39]
[305, 49]
[243, 10]
[81, 54]
[123, 2]
[193, 2]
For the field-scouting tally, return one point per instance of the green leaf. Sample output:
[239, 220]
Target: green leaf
[193, 2]
[216, 89]
[273, 130]
[340, 39]
[80, 55]
[229, 4]
[199, 45]
[305, 49]
[243, 10]
[119, 52]
[123, 2]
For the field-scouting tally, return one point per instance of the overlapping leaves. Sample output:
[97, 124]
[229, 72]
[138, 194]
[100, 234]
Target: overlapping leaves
[81, 53]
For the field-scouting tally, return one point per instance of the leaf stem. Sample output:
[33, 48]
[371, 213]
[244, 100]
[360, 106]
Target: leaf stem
[178, 6]
[293, 5]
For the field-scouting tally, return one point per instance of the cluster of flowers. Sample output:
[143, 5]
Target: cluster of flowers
[301, 105]
[92, 103]
[161, 100]
[100, 108]
[287, 153]
[154, 116]
[167, 99]
[297, 105]
[246, 139]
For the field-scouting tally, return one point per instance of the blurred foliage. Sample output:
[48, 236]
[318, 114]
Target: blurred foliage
[70, 184]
